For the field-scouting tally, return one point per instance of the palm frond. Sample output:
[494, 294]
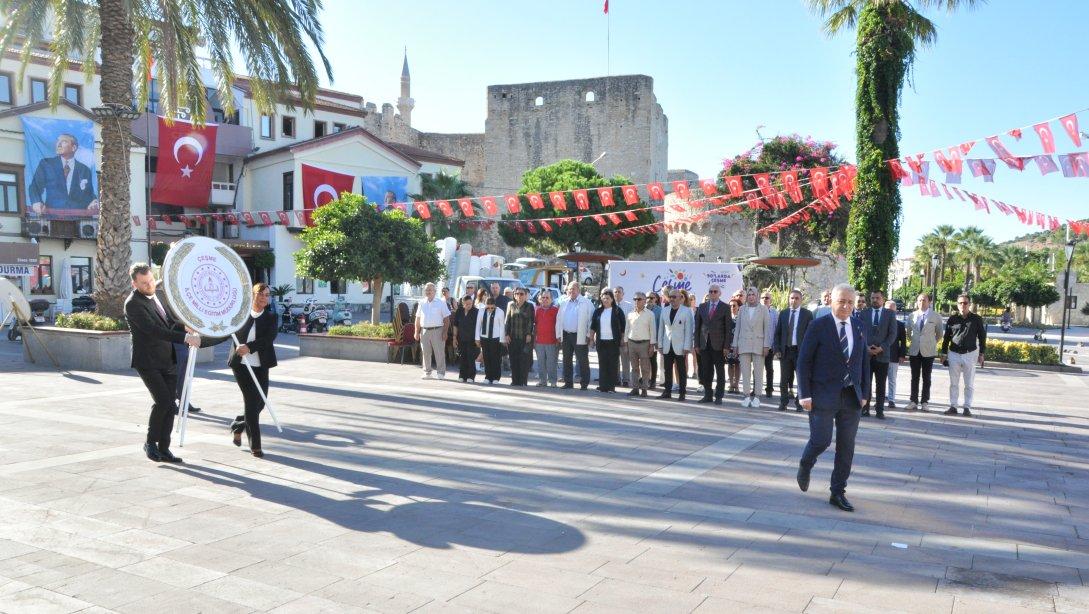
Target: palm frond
[950, 5]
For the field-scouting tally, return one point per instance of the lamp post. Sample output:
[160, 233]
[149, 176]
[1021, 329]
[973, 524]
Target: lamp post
[935, 262]
[1069, 250]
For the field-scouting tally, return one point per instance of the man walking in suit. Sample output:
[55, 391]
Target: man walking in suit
[572, 328]
[714, 329]
[924, 330]
[880, 327]
[675, 333]
[789, 332]
[153, 333]
[63, 183]
[833, 383]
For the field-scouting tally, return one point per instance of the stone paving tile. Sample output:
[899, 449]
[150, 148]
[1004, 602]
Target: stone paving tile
[179, 601]
[636, 573]
[257, 595]
[987, 586]
[528, 574]
[372, 597]
[494, 596]
[108, 588]
[40, 600]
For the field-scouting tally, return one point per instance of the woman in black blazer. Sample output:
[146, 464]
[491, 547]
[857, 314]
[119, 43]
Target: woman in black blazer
[607, 327]
[258, 333]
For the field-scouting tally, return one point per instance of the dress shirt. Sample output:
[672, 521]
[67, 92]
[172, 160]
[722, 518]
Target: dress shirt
[432, 312]
[920, 322]
[159, 307]
[68, 171]
[571, 316]
[641, 326]
[793, 313]
[850, 335]
[606, 333]
[254, 359]
[490, 324]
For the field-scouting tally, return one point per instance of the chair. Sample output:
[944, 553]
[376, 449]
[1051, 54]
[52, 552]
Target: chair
[405, 341]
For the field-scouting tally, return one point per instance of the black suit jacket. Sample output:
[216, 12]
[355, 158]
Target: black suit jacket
[152, 336]
[899, 347]
[782, 330]
[619, 322]
[718, 329]
[267, 327]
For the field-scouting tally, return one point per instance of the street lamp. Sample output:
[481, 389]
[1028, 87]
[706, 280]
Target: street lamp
[935, 262]
[1069, 250]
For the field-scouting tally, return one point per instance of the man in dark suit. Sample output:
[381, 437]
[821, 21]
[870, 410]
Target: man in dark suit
[714, 330]
[897, 354]
[880, 327]
[153, 333]
[833, 383]
[62, 182]
[789, 332]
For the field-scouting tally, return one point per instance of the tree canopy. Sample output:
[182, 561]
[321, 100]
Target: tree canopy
[447, 187]
[352, 240]
[573, 175]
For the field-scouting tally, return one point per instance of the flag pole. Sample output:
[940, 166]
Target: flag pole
[257, 384]
[187, 391]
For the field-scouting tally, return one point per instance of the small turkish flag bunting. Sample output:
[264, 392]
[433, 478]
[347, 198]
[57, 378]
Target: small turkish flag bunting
[445, 207]
[247, 217]
[897, 171]
[605, 195]
[1046, 164]
[819, 179]
[284, 219]
[1070, 123]
[266, 219]
[708, 186]
[735, 185]
[489, 205]
[1047, 138]
[422, 209]
[546, 226]
[631, 194]
[151, 225]
[514, 204]
[559, 201]
[680, 188]
[466, 206]
[630, 215]
[966, 146]
[916, 163]
[582, 199]
[535, 200]
[656, 191]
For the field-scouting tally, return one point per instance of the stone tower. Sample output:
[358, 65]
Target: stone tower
[405, 102]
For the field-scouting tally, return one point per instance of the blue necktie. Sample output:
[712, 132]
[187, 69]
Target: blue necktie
[846, 352]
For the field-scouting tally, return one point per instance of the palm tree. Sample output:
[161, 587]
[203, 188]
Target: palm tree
[888, 33]
[941, 241]
[447, 187]
[973, 249]
[272, 36]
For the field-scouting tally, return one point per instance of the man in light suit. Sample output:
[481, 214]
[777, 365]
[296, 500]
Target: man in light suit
[881, 330]
[925, 330]
[62, 183]
[752, 340]
[675, 334]
[713, 331]
[789, 332]
[572, 327]
[833, 383]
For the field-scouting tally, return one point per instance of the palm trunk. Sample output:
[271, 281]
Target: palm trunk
[114, 250]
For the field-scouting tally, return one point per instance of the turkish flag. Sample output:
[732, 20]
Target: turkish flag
[1046, 164]
[535, 200]
[842, 183]
[656, 191]
[422, 209]
[283, 217]
[1015, 133]
[818, 177]
[1070, 123]
[946, 190]
[763, 181]
[735, 185]
[1003, 207]
[614, 218]
[514, 204]
[320, 186]
[631, 194]
[187, 156]
[897, 170]
[708, 186]
[466, 206]
[1041, 221]
[531, 228]
[982, 168]
[605, 195]
[151, 224]
[753, 200]
[1004, 154]
[490, 206]
[1052, 222]
[600, 219]
[184, 219]
[546, 226]
[916, 163]
[559, 201]
[957, 192]
[680, 188]
[630, 215]
[943, 162]
[582, 199]
[136, 220]
[966, 146]
[444, 206]
[923, 189]
[1047, 138]
[1075, 164]
[247, 217]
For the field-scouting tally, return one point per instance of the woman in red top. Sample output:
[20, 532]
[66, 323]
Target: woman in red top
[546, 345]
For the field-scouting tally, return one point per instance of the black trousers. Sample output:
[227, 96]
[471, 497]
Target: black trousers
[881, 376]
[608, 363]
[467, 353]
[653, 369]
[521, 359]
[181, 354]
[581, 355]
[160, 383]
[669, 360]
[788, 363]
[844, 417]
[712, 364]
[920, 366]
[492, 350]
[253, 402]
[769, 373]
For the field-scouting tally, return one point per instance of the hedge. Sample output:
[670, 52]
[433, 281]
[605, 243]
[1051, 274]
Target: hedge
[364, 329]
[88, 321]
[1021, 352]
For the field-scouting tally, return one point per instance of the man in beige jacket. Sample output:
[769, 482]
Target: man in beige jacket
[751, 342]
[925, 330]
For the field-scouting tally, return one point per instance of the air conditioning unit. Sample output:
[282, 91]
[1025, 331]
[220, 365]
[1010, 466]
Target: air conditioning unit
[230, 231]
[88, 229]
[38, 228]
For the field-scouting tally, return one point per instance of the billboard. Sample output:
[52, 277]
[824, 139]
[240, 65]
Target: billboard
[695, 277]
[60, 163]
[385, 191]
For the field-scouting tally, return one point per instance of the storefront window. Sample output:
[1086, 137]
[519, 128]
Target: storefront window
[41, 278]
[9, 193]
[81, 276]
[304, 285]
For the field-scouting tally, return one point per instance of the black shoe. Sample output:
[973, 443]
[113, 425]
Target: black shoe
[680, 397]
[967, 412]
[168, 457]
[892, 405]
[152, 452]
[665, 395]
[718, 400]
[569, 386]
[880, 415]
[952, 411]
[782, 407]
[798, 408]
[705, 399]
[193, 409]
[841, 502]
[866, 411]
[633, 393]
[767, 394]
[803, 478]
[584, 386]
[643, 393]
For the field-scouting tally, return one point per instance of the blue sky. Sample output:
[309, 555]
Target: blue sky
[721, 68]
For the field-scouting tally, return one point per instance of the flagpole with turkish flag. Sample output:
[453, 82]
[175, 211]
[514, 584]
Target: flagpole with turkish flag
[319, 186]
[187, 157]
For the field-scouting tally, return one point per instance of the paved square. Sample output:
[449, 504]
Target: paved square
[386, 493]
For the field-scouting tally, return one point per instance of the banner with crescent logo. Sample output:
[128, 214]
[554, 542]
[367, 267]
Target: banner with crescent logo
[187, 157]
[319, 186]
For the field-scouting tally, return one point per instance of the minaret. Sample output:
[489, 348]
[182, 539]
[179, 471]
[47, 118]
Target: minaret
[405, 102]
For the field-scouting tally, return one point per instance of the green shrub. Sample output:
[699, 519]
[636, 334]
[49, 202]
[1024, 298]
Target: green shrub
[89, 321]
[364, 329]
[1021, 352]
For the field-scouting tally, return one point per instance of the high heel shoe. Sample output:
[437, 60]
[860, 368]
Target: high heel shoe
[258, 453]
[237, 428]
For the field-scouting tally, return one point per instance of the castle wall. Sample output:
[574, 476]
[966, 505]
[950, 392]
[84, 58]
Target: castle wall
[467, 147]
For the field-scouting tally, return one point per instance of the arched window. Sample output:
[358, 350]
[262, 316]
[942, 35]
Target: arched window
[590, 97]
[539, 101]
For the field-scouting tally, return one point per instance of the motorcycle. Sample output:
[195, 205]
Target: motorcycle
[318, 321]
[342, 317]
[288, 323]
[38, 307]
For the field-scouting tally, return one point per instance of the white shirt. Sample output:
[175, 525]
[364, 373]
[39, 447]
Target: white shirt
[850, 335]
[498, 325]
[432, 312]
[920, 321]
[253, 358]
[606, 324]
[159, 305]
[71, 164]
[571, 316]
[641, 326]
[794, 331]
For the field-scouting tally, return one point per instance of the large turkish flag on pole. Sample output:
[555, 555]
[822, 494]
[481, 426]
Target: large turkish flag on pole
[320, 186]
[187, 156]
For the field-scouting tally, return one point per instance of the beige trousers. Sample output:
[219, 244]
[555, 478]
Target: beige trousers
[752, 371]
[433, 346]
[639, 356]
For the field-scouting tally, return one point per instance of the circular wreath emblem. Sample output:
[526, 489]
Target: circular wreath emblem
[210, 286]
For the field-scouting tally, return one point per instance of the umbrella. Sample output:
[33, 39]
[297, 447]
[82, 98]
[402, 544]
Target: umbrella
[64, 285]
